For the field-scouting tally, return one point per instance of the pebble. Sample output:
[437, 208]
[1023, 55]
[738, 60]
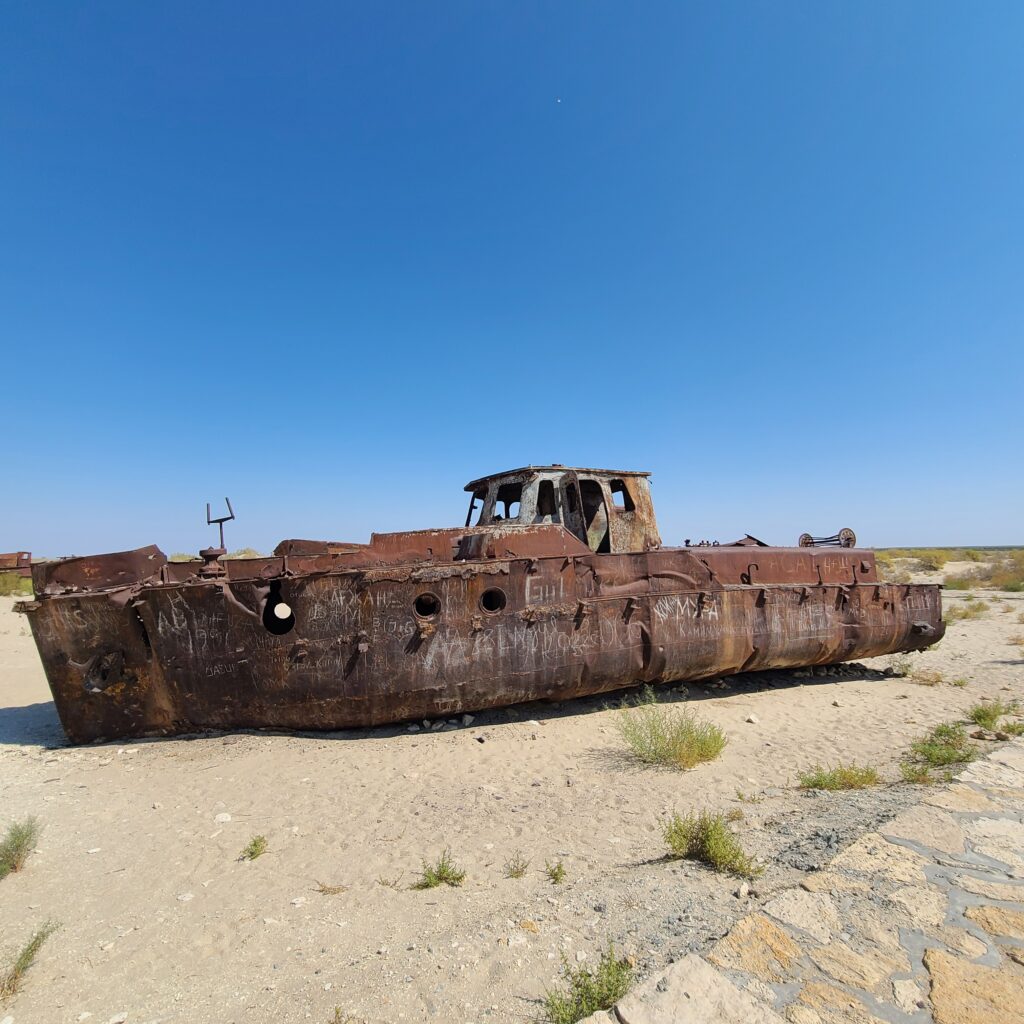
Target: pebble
[119, 1018]
[468, 719]
[581, 955]
[836, 704]
[743, 891]
[184, 897]
[223, 818]
[95, 849]
[414, 727]
[753, 719]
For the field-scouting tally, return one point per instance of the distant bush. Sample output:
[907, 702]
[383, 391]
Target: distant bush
[13, 585]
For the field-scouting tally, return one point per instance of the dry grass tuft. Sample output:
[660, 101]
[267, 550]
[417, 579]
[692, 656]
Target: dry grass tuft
[12, 975]
[706, 837]
[969, 609]
[842, 776]
[17, 844]
[674, 739]
[330, 890]
[926, 678]
[516, 866]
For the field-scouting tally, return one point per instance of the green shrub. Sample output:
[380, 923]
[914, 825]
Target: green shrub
[916, 774]
[586, 991]
[444, 872]
[945, 744]
[676, 739]
[705, 837]
[12, 975]
[555, 871]
[988, 715]
[842, 776]
[256, 847]
[17, 844]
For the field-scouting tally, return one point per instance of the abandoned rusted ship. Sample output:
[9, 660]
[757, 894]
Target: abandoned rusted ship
[557, 586]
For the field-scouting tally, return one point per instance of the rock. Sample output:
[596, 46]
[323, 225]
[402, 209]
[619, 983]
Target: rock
[581, 955]
[1015, 953]
[959, 798]
[836, 704]
[184, 897]
[413, 728]
[968, 993]
[437, 726]
[872, 855]
[811, 912]
[999, 838]
[426, 723]
[837, 1005]
[691, 990]
[924, 908]
[928, 826]
[758, 946]
[468, 719]
[119, 1018]
[869, 971]
[753, 719]
[797, 1014]
[223, 818]
[743, 891]
[907, 995]
[998, 921]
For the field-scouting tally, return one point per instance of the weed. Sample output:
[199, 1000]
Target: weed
[959, 681]
[945, 744]
[926, 678]
[842, 776]
[516, 866]
[256, 847]
[13, 585]
[735, 814]
[900, 665]
[330, 890]
[586, 991]
[391, 883]
[676, 739]
[706, 837]
[969, 609]
[1017, 638]
[444, 872]
[11, 976]
[748, 798]
[1020, 618]
[17, 844]
[1013, 728]
[988, 715]
[916, 774]
[555, 872]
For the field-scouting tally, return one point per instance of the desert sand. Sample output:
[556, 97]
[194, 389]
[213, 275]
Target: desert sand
[160, 920]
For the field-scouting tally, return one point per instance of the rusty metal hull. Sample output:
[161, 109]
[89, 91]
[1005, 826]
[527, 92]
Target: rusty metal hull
[157, 649]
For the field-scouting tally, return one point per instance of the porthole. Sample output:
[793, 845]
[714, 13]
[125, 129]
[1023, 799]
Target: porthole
[493, 600]
[278, 617]
[427, 605]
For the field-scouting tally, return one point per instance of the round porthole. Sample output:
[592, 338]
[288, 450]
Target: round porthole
[493, 600]
[426, 605]
[278, 616]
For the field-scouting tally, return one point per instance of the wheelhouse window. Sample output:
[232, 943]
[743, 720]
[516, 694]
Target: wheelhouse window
[546, 508]
[476, 507]
[621, 498]
[507, 503]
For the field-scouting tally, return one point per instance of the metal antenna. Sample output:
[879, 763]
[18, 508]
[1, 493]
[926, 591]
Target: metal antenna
[222, 520]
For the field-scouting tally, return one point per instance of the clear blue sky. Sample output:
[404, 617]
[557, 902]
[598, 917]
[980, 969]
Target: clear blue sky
[336, 259]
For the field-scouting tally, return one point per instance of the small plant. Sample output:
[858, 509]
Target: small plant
[1017, 638]
[555, 871]
[516, 866]
[969, 609]
[959, 681]
[706, 837]
[330, 890]
[735, 814]
[926, 678]
[842, 776]
[1013, 728]
[256, 847]
[916, 774]
[586, 991]
[658, 736]
[11, 977]
[391, 883]
[900, 665]
[444, 872]
[945, 744]
[988, 715]
[1020, 618]
[748, 798]
[13, 585]
[17, 844]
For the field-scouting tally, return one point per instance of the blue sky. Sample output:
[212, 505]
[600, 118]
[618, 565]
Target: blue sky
[334, 260]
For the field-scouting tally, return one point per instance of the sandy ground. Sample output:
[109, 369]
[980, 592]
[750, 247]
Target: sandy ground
[138, 857]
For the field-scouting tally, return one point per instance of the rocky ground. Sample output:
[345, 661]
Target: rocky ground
[138, 857]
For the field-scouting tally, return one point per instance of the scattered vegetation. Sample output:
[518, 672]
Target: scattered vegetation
[706, 837]
[945, 744]
[586, 991]
[748, 798]
[1017, 638]
[988, 715]
[13, 585]
[516, 866]
[391, 883]
[676, 739]
[1004, 570]
[842, 776]
[1020, 618]
[330, 890]
[735, 814]
[959, 681]
[1013, 728]
[916, 773]
[555, 871]
[970, 608]
[17, 844]
[256, 847]
[926, 678]
[444, 872]
[12, 975]
[245, 553]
